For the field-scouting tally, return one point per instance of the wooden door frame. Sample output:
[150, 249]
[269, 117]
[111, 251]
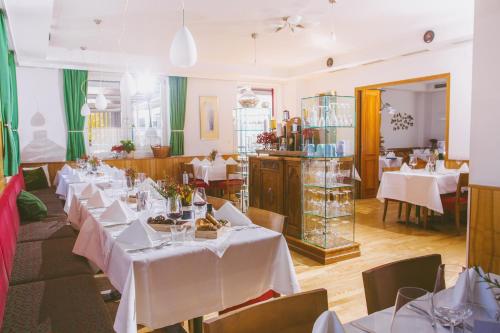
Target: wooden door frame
[358, 91]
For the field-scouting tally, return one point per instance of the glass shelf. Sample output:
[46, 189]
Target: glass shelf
[327, 157]
[326, 127]
[327, 217]
[328, 187]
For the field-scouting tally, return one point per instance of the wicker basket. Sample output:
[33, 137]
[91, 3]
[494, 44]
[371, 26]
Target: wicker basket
[161, 151]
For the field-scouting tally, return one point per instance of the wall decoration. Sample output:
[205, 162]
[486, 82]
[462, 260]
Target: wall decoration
[209, 117]
[402, 121]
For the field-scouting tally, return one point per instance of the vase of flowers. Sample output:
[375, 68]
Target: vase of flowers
[186, 193]
[131, 176]
[94, 163]
[213, 154]
[127, 148]
[267, 139]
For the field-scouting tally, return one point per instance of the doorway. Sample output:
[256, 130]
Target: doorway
[403, 118]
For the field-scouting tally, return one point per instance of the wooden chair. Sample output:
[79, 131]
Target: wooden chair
[189, 169]
[454, 203]
[382, 283]
[231, 185]
[290, 314]
[216, 203]
[266, 219]
[386, 201]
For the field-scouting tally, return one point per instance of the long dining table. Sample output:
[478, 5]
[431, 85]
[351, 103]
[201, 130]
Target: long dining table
[169, 284]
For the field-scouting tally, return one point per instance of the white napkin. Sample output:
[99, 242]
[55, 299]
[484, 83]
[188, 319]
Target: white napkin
[464, 168]
[205, 162]
[405, 168]
[484, 295]
[138, 235]
[328, 322]
[88, 191]
[417, 151]
[195, 161]
[118, 211]
[232, 214]
[391, 154]
[460, 292]
[66, 170]
[231, 161]
[427, 151]
[99, 200]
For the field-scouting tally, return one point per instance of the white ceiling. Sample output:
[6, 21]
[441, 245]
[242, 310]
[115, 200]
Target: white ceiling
[366, 30]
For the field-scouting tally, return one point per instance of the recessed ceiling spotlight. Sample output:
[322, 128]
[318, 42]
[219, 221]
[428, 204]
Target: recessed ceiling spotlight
[429, 36]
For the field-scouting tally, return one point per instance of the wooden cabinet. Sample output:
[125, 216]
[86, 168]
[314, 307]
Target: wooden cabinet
[293, 198]
[275, 185]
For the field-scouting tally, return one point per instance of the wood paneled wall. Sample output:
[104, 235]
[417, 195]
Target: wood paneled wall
[484, 228]
[155, 168]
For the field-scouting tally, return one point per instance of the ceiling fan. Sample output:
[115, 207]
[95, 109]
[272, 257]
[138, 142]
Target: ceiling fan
[292, 23]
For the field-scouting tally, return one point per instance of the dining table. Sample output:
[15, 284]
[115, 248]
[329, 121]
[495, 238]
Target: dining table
[418, 186]
[176, 281]
[210, 171]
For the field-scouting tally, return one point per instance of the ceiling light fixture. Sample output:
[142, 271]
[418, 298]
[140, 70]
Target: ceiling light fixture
[254, 37]
[183, 52]
[127, 81]
[85, 110]
[101, 103]
[333, 36]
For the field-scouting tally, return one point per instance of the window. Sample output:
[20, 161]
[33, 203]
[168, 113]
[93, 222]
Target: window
[141, 117]
[265, 97]
[104, 127]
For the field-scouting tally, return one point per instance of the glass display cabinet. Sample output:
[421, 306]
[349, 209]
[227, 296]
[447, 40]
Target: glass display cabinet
[328, 173]
[248, 123]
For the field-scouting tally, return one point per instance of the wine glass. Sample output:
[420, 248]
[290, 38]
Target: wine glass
[174, 208]
[412, 308]
[199, 199]
[413, 161]
[452, 306]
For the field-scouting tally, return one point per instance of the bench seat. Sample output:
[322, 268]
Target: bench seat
[43, 230]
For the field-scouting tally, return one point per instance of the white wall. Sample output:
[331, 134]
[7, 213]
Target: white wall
[485, 124]
[403, 102]
[457, 61]
[40, 90]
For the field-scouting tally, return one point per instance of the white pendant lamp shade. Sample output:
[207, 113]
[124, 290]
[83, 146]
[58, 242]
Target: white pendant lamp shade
[127, 83]
[101, 103]
[85, 110]
[183, 52]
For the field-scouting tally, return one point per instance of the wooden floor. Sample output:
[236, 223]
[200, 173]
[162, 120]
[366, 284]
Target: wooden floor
[379, 245]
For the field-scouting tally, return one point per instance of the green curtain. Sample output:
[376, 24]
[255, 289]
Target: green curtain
[178, 89]
[75, 94]
[15, 109]
[10, 150]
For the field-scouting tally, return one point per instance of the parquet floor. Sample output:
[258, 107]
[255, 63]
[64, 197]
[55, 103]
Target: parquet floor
[379, 244]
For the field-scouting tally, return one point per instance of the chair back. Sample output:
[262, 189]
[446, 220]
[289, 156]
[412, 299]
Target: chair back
[216, 203]
[463, 181]
[420, 164]
[188, 168]
[289, 314]
[382, 283]
[266, 219]
[231, 169]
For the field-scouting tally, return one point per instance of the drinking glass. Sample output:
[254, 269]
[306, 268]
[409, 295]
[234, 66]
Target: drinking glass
[411, 311]
[452, 306]
[174, 208]
[199, 199]
[413, 161]
[130, 183]
[141, 176]
[178, 232]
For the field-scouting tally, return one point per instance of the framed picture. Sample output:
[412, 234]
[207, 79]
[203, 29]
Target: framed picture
[209, 117]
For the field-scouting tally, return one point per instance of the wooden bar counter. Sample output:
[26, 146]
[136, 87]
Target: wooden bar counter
[275, 184]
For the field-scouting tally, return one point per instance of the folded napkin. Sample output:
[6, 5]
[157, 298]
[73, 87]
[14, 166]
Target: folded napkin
[118, 211]
[417, 151]
[138, 235]
[88, 191]
[464, 168]
[461, 294]
[67, 170]
[99, 200]
[483, 294]
[232, 214]
[328, 322]
[195, 161]
[231, 161]
[405, 168]
[390, 154]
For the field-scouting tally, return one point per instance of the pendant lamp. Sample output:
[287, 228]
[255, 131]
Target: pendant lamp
[128, 83]
[85, 110]
[183, 52]
[101, 103]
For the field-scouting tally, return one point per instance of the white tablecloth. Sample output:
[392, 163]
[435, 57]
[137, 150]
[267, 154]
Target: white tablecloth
[418, 187]
[388, 163]
[179, 282]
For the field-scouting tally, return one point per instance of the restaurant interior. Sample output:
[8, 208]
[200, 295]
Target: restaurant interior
[324, 166]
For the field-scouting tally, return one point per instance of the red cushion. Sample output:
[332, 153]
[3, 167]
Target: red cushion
[450, 201]
[264, 297]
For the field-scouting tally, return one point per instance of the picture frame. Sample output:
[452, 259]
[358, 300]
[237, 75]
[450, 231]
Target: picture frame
[209, 117]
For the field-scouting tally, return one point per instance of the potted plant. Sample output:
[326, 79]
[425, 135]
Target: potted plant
[128, 147]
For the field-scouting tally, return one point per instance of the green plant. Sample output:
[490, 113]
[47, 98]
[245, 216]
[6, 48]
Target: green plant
[486, 278]
[128, 146]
